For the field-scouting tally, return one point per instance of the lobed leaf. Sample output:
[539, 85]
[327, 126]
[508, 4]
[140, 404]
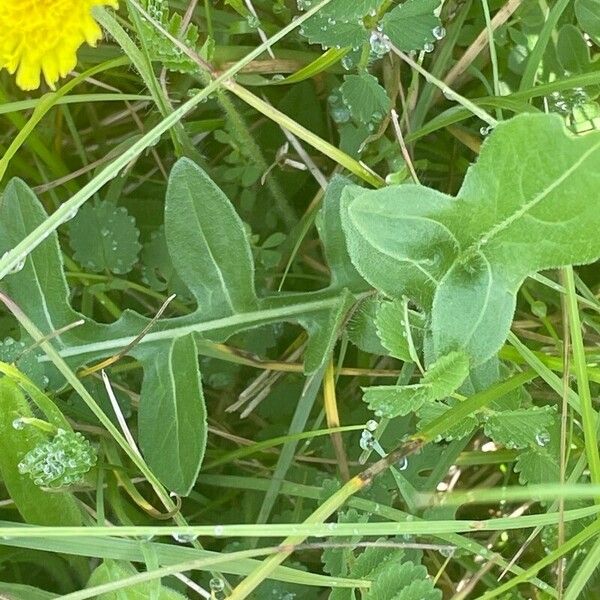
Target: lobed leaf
[104, 237]
[464, 258]
[519, 428]
[442, 379]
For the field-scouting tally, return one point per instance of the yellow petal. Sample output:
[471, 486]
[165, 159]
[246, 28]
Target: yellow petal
[43, 36]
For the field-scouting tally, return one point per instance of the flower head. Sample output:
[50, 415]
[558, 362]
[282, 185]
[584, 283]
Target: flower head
[43, 36]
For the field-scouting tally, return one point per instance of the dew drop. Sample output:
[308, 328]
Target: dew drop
[366, 441]
[71, 214]
[402, 464]
[340, 114]
[542, 438]
[347, 62]
[371, 425]
[380, 43]
[219, 530]
[18, 423]
[253, 22]
[439, 33]
[428, 47]
[184, 538]
[18, 265]
[216, 584]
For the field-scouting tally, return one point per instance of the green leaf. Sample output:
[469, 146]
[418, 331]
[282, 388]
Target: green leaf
[111, 571]
[336, 561]
[405, 581]
[519, 428]
[410, 25]
[339, 23]
[537, 465]
[442, 379]
[361, 329]
[465, 258]
[160, 48]
[393, 331]
[394, 243]
[367, 101]
[431, 411]
[324, 330]
[573, 53]
[35, 505]
[588, 17]
[18, 591]
[158, 270]
[39, 288]
[104, 237]
[208, 243]
[172, 414]
[329, 225]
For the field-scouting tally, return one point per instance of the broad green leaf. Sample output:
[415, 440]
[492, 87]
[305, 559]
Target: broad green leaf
[111, 571]
[104, 237]
[410, 25]
[172, 414]
[519, 428]
[442, 379]
[367, 101]
[519, 211]
[573, 53]
[537, 465]
[588, 16]
[208, 243]
[39, 288]
[393, 330]
[394, 241]
[35, 505]
[329, 225]
[361, 328]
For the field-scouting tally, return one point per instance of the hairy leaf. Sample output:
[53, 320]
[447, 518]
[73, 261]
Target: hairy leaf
[465, 258]
[172, 414]
[339, 23]
[394, 332]
[405, 581]
[40, 287]
[361, 328]
[343, 273]
[208, 243]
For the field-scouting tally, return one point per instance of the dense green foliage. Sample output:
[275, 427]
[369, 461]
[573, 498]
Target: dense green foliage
[288, 306]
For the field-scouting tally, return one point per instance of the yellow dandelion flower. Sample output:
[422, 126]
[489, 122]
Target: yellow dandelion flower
[43, 36]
